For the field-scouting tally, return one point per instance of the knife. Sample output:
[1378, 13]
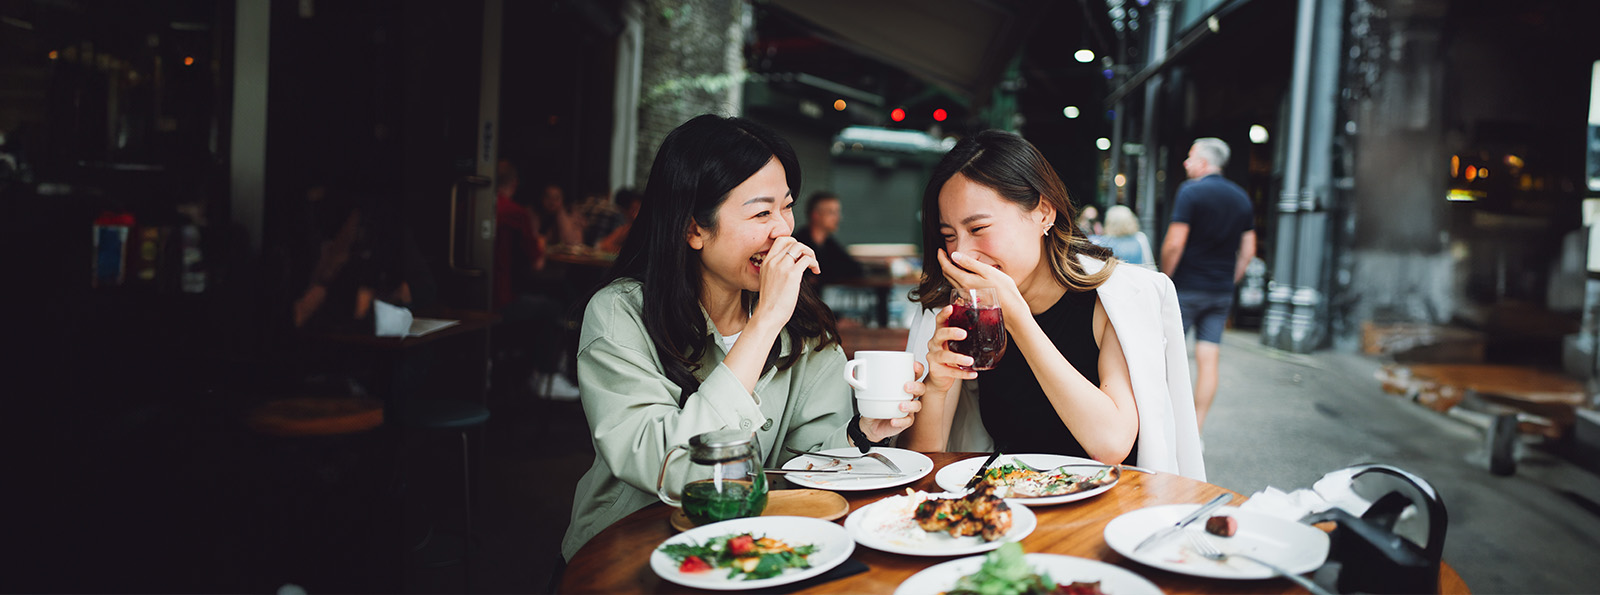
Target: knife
[840, 471]
[977, 477]
[1204, 509]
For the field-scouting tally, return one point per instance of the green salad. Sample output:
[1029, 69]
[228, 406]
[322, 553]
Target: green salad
[745, 556]
[1006, 572]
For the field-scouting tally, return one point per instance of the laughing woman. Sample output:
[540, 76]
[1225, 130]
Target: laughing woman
[1095, 364]
[707, 326]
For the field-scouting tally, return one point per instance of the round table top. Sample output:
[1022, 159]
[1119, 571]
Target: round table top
[617, 560]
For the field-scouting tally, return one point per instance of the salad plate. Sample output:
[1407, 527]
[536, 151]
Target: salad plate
[913, 466]
[954, 477]
[1295, 547]
[942, 578]
[832, 546]
[888, 525]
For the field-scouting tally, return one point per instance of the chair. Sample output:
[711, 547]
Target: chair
[451, 415]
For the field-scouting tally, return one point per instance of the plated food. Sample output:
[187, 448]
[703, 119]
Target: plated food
[752, 553]
[1020, 485]
[1015, 481]
[744, 556]
[1222, 525]
[1295, 547]
[914, 466]
[892, 525]
[1008, 570]
[980, 513]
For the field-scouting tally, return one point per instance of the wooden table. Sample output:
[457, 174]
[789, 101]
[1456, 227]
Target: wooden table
[617, 560]
[470, 321]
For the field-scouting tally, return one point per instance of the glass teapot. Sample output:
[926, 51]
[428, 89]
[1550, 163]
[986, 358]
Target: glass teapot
[725, 479]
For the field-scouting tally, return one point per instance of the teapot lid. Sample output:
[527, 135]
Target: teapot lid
[721, 445]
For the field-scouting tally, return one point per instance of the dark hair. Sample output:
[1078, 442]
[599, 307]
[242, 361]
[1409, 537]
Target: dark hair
[816, 200]
[626, 197]
[1013, 168]
[505, 174]
[698, 164]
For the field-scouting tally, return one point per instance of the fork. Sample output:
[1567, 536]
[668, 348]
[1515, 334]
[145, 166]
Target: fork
[1202, 545]
[1025, 465]
[871, 455]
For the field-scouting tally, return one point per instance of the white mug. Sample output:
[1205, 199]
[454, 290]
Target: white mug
[880, 378]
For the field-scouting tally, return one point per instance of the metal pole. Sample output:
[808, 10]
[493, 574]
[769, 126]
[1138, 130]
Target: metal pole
[1115, 164]
[1308, 324]
[1280, 297]
[1147, 170]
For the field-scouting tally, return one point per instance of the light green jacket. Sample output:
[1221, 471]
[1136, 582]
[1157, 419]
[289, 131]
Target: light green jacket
[634, 416]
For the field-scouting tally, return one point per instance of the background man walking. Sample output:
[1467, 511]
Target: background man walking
[1212, 236]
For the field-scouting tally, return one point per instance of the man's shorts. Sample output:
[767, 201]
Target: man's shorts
[1207, 312]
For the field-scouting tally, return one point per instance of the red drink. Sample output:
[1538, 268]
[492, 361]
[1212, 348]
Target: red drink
[986, 334]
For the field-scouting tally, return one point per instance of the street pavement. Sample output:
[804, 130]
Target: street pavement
[1284, 420]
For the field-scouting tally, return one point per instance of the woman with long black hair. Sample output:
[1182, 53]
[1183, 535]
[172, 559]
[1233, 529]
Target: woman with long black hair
[706, 325]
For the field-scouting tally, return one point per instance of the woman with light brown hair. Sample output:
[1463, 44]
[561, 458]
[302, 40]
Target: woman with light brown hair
[1095, 364]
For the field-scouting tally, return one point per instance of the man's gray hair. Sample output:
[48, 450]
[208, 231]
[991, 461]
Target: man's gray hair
[1213, 150]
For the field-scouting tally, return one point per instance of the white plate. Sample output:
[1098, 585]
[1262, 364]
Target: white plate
[833, 548]
[913, 466]
[887, 525]
[1297, 548]
[954, 477]
[1061, 569]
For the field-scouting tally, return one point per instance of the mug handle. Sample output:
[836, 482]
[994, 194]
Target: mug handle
[661, 490]
[925, 368]
[850, 377]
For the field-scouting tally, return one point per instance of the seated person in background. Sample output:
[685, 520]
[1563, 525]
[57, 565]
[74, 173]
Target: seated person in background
[706, 302]
[558, 224]
[823, 214]
[1124, 239]
[363, 253]
[628, 202]
[1095, 363]
[599, 212]
[1089, 221]
[518, 248]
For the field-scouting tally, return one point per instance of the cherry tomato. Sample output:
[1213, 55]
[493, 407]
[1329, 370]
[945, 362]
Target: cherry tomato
[694, 564]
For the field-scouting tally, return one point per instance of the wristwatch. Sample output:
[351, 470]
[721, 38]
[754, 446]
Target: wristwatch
[860, 438]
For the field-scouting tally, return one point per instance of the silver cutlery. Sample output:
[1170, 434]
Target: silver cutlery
[977, 477]
[1202, 545]
[840, 472]
[1119, 468]
[871, 455]
[1204, 509]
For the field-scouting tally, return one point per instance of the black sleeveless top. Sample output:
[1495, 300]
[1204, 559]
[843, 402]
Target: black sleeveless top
[1015, 410]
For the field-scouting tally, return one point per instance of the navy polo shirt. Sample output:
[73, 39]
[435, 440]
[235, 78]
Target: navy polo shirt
[1218, 212]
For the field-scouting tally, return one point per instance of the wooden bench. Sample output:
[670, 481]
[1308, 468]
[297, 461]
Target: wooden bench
[1546, 402]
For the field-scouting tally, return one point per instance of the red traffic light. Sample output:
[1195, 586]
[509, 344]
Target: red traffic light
[897, 114]
[939, 115]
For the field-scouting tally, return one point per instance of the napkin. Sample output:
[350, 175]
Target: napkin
[1331, 491]
[390, 320]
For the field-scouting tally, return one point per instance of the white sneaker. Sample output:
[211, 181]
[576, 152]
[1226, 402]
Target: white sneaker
[561, 389]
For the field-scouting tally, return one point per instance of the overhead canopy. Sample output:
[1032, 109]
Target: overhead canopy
[961, 45]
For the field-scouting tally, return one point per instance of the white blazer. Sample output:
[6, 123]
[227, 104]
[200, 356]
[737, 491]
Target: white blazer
[1143, 308]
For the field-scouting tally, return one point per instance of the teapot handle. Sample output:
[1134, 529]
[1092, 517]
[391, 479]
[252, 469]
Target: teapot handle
[661, 490]
[1438, 519]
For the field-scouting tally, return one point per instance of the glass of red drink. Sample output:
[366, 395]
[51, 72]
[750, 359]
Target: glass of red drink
[978, 312]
